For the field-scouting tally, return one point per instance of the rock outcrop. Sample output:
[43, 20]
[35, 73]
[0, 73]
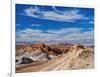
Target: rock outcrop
[40, 52]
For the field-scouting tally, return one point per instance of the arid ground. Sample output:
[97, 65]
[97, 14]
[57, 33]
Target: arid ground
[55, 57]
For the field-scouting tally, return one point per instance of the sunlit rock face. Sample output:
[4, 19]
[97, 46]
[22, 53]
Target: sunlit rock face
[28, 57]
[38, 52]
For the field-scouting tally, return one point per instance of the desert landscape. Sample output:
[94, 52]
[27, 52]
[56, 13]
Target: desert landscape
[56, 57]
[53, 38]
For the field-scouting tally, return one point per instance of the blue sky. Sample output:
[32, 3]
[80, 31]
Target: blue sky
[54, 24]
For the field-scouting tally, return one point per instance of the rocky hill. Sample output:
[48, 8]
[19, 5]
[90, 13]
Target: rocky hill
[38, 52]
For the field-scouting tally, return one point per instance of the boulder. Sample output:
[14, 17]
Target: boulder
[26, 60]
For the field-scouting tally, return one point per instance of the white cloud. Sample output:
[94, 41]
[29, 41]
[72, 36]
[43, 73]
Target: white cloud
[29, 31]
[36, 25]
[87, 22]
[91, 22]
[67, 16]
[30, 35]
[30, 11]
[65, 30]
[81, 35]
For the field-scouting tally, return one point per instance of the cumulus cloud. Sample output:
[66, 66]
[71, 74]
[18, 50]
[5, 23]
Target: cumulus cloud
[66, 16]
[30, 35]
